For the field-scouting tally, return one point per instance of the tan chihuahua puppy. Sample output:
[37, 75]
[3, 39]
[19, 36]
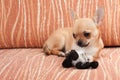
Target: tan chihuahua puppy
[84, 35]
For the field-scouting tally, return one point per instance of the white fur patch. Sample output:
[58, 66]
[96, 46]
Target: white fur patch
[81, 53]
[82, 57]
[85, 54]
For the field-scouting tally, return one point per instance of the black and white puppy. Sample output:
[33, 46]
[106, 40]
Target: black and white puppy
[78, 60]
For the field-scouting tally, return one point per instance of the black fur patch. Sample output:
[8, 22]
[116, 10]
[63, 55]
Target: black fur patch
[67, 63]
[80, 65]
[74, 55]
[87, 65]
[94, 64]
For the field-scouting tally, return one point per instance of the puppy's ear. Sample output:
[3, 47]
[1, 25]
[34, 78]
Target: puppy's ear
[98, 16]
[73, 15]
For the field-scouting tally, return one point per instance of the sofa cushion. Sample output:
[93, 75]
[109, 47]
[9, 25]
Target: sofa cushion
[29, 23]
[33, 64]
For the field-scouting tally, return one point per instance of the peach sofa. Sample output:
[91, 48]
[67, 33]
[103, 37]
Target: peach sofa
[26, 24]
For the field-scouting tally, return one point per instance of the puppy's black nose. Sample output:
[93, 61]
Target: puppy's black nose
[80, 43]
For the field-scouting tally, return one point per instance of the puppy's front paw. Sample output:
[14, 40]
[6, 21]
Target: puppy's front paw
[67, 52]
[61, 54]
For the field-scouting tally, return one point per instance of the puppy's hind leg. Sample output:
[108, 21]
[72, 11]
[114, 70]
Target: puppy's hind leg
[57, 52]
[55, 48]
[46, 49]
[54, 51]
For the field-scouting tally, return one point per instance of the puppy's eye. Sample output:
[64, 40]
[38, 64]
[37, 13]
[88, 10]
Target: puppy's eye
[74, 35]
[86, 34]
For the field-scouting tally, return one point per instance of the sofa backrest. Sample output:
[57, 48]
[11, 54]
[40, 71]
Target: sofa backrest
[28, 23]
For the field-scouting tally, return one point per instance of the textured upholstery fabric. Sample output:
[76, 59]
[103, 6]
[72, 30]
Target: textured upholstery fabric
[33, 64]
[28, 23]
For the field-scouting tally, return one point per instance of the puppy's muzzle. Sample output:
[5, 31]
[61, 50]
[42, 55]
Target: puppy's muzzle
[82, 43]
